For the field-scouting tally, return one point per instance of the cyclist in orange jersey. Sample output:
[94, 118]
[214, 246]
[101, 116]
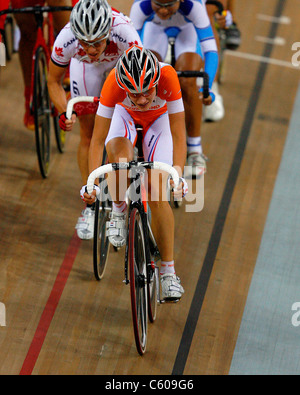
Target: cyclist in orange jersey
[27, 25]
[140, 90]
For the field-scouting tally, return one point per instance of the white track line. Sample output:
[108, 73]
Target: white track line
[261, 59]
[273, 41]
[284, 20]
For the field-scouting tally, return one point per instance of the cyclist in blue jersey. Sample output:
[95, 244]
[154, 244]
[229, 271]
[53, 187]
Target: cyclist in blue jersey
[195, 48]
[226, 21]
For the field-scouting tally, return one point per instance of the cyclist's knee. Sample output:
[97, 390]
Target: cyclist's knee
[188, 86]
[86, 123]
[119, 149]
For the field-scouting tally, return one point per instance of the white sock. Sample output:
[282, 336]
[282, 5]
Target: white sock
[119, 208]
[167, 267]
[194, 145]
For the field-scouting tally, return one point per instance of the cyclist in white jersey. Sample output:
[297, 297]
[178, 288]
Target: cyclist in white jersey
[91, 43]
[195, 48]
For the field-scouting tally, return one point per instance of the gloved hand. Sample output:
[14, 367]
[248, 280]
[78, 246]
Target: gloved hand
[64, 123]
[83, 191]
[181, 190]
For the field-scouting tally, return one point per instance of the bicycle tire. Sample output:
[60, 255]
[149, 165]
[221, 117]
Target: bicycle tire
[60, 135]
[42, 111]
[101, 244]
[152, 290]
[137, 259]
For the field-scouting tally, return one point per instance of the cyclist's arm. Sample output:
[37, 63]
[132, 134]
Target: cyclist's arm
[199, 17]
[55, 87]
[140, 11]
[100, 132]
[177, 124]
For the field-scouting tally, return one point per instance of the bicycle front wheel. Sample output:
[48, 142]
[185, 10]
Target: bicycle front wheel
[101, 243]
[152, 289]
[137, 258]
[60, 135]
[42, 111]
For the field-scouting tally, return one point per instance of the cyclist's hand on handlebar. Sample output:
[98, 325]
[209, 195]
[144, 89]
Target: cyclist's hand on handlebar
[67, 124]
[89, 199]
[224, 20]
[207, 101]
[181, 190]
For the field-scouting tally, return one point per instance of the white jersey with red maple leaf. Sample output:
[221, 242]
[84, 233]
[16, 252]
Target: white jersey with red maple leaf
[122, 36]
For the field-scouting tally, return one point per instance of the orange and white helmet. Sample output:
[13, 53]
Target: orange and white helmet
[138, 70]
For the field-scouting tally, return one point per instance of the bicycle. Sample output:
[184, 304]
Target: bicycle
[40, 104]
[142, 254]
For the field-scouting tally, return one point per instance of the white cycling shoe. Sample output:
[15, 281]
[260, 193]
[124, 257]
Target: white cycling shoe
[85, 224]
[215, 112]
[116, 229]
[196, 165]
[171, 289]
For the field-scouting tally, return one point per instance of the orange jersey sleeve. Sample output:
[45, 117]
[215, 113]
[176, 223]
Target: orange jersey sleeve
[168, 86]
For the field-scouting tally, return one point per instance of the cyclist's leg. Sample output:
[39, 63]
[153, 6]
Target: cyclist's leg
[86, 80]
[157, 146]
[60, 19]
[119, 146]
[27, 26]
[233, 34]
[189, 57]
[86, 123]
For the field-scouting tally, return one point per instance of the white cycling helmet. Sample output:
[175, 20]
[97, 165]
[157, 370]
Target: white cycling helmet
[91, 19]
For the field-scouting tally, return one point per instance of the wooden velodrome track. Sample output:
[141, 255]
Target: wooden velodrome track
[59, 319]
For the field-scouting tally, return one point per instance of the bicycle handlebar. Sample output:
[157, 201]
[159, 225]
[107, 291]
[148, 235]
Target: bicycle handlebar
[97, 173]
[203, 74]
[111, 167]
[79, 99]
[35, 10]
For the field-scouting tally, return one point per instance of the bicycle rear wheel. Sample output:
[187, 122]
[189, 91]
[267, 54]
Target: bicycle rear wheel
[42, 112]
[137, 258]
[101, 243]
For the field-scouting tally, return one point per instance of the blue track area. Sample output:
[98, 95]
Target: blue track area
[268, 341]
